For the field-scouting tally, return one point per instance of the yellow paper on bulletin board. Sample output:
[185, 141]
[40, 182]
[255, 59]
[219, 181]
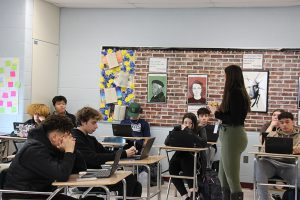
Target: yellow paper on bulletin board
[9, 85]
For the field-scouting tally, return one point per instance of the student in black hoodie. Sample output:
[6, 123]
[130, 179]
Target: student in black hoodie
[48, 155]
[95, 154]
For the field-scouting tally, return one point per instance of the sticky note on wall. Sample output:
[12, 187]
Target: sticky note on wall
[12, 74]
[13, 93]
[9, 104]
[4, 95]
[2, 109]
[10, 84]
[1, 103]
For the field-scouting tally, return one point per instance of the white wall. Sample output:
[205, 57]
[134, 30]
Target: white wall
[84, 31]
[16, 41]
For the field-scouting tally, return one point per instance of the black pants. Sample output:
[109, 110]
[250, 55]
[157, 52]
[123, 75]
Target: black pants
[182, 163]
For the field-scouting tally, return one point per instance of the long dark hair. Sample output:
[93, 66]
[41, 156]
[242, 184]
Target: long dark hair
[234, 81]
[192, 117]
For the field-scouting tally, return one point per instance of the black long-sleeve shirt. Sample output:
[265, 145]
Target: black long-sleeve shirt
[93, 152]
[237, 112]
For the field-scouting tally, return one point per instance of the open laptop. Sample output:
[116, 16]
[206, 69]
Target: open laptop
[123, 130]
[104, 173]
[279, 145]
[21, 129]
[211, 133]
[145, 151]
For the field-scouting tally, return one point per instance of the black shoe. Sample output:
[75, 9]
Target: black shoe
[276, 197]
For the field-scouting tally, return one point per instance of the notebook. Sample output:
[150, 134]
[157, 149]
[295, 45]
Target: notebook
[123, 130]
[279, 145]
[103, 173]
[211, 133]
[145, 151]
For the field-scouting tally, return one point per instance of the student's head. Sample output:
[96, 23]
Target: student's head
[59, 103]
[56, 127]
[234, 80]
[196, 89]
[190, 120]
[157, 87]
[286, 122]
[87, 119]
[275, 114]
[134, 111]
[38, 112]
[203, 116]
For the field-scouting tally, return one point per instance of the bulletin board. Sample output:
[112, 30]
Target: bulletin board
[9, 85]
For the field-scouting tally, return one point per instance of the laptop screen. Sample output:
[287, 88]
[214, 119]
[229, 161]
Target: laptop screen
[21, 129]
[123, 130]
[279, 145]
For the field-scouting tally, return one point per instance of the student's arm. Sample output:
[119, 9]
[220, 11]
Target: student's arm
[40, 161]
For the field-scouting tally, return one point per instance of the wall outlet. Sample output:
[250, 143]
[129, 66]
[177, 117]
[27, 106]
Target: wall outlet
[245, 159]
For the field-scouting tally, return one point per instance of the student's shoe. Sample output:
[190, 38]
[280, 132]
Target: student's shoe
[225, 193]
[275, 197]
[237, 196]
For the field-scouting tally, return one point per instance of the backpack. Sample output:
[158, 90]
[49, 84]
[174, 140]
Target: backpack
[290, 195]
[210, 186]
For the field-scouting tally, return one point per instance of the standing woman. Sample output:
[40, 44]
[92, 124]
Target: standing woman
[232, 111]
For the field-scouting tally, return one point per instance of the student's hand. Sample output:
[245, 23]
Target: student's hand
[296, 149]
[131, 151]
[183, 126]
[41, 118]
[68, 143]
[274, 123]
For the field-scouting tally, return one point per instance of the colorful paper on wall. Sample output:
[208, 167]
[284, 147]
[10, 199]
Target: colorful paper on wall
[9, 85]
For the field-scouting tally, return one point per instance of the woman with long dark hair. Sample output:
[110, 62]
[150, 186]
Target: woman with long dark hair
[184, 161]
[232, 111]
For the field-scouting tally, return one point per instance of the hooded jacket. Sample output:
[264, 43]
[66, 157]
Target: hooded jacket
[38, 164]
[93, 152]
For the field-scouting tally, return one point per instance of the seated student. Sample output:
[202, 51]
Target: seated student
[47, 156]
[267, 167]
[272, 125]
[95, 154]
[203, 116]
[60, 104]
[184, 161]
[140, 127]
[38, 112]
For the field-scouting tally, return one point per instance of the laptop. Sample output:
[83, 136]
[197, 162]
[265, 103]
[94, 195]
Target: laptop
[21, 129]
[104, 173]
[279, 145]
[123, 130]
[210, 133]
[145, 151]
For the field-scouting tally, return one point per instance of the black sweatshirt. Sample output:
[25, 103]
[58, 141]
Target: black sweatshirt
[93, 152]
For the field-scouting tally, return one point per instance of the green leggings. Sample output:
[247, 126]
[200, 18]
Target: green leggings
[233, 143]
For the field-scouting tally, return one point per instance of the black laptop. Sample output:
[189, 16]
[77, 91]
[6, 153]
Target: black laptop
[279, 145]
[104, 173]
[123, 130]
[211, 133]
[145, 151]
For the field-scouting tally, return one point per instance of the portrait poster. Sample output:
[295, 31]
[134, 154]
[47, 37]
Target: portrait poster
[298, 100]
[157, 88]
[256, 83]
[197, 89]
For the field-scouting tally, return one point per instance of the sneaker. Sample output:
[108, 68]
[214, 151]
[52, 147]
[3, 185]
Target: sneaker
[275, 197]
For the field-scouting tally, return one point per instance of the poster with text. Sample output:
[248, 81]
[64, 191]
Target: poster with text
[9, 85]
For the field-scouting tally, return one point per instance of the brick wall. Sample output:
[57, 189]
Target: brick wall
[283, 67]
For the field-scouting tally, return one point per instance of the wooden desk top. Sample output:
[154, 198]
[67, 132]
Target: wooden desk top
[211, 143]
[258, 145]
[273, 155]
[113, 144]
[117, 177]
[183, 149]
[127, 138]
[147, 161]
[12, 138]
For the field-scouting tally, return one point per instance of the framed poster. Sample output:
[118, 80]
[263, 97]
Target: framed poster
[197, 89]
[157, 88]
[256, 83]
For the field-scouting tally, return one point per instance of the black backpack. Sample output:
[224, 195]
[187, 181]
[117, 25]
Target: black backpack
[290, 195]
[210, 186]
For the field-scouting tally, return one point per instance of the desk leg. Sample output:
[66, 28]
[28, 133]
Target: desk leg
[148, 181]
[296, 181]
[195, 176]
[254, 177]
[55, 193]
[124, 189]
[158, 180]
